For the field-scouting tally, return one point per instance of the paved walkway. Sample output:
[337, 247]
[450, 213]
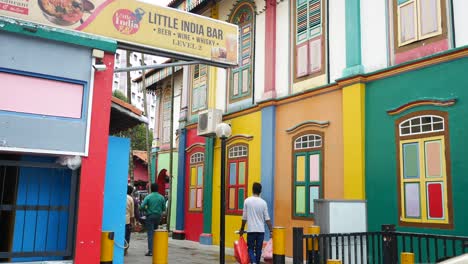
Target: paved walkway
[180, 251]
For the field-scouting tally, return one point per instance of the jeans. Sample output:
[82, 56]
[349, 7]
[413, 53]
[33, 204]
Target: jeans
[151, 223]
[128, 231]
[255, 243]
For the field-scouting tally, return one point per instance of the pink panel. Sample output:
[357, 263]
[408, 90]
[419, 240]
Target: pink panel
[433, 159]
[40, 96]
[421, 51]
[314, 168]
[199, 198]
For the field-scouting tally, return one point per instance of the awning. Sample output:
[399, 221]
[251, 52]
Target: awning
[124, 116]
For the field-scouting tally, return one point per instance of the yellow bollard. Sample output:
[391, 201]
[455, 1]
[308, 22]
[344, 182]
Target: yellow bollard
[313, 230]
[333, 261]
[160, 246]
[279, 245]
[407, 258]
[313, 253]
[107, 247]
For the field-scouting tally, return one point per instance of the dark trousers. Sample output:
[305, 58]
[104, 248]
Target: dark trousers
[128, 231]
[151, 224]
[255, 243]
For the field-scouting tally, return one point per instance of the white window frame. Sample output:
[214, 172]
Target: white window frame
[417, 22]
[312, 141]
[403, 125]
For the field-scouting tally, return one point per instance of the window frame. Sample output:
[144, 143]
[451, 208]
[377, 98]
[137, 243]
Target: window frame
[307, 152]
[195, 110]
[421, 138]
[237, 186]
[241, 68]
[423, 40]
[307, 42]
[195, 164]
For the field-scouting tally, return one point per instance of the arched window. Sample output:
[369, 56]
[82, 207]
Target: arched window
[423, 175]
[308, 172]
[196, 181]
[240, 84]
[237, 178]
[421, 125]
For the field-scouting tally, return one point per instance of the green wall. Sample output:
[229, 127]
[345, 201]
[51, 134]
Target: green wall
[443, 81]
[163, 163]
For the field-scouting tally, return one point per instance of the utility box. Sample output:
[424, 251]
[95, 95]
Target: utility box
[343, 218]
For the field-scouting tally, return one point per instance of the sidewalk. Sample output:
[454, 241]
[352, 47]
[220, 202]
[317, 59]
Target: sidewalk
[180, 251]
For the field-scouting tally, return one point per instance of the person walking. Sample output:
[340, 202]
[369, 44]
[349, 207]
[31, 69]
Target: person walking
[154, 205]
[130, 217]
[255, 215]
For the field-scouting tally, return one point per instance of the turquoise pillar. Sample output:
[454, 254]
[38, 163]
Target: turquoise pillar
[353, 38]
[207, 238]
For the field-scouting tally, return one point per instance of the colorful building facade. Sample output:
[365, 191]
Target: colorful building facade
[354, 100]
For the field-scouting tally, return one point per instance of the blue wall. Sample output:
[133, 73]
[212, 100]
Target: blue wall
[46, 187]
[115, 193]
[268, 159]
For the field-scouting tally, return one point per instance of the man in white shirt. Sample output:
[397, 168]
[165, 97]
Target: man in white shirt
[256, 215]
[129, 216]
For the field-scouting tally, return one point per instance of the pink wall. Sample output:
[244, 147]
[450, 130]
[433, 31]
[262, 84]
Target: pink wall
[33, 95]
[422, 51]
[93, 171]
[140, 171]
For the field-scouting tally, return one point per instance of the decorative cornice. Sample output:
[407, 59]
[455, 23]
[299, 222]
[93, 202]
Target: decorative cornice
[308, 123]
[240, 137]
[345, 82]
[416, 103]
[194, 146]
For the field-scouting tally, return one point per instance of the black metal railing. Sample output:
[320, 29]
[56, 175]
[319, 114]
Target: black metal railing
[37, 210]
[384, 247]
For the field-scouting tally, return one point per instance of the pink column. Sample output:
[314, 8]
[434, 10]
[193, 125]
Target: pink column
[270, 50]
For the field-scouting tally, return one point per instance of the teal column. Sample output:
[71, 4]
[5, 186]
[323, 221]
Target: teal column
[206, 238]
[353, 38]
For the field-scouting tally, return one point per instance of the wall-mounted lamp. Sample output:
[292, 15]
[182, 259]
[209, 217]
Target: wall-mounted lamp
[99, 67]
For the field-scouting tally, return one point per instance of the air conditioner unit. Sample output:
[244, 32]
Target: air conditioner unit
[208, 120]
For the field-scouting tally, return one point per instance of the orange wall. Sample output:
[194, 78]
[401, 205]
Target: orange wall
[325, 107]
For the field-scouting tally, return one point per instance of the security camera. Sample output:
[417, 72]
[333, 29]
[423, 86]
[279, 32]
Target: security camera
[100, 67]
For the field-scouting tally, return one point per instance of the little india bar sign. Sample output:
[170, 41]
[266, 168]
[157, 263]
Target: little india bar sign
[164, 29]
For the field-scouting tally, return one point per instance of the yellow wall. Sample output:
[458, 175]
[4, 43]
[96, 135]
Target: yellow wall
[353, 139]
[246, 125]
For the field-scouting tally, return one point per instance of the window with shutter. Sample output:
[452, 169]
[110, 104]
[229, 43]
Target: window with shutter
[418, 20]
[240, 84]
[236, 178]
[308, 37]
[196, 181]
[425, 196]
[199, 88]
[308, 179]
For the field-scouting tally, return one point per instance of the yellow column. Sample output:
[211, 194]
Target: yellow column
[279, 245]
[160, 246]
[407, 258]
[354, 141]
[333, 261]
[107, 247]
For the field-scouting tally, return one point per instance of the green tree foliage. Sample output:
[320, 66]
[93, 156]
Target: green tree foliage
[137, 135]
[120, 95]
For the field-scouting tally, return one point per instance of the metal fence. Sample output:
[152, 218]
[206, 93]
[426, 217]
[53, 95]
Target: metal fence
[37, 210]
[384, 247]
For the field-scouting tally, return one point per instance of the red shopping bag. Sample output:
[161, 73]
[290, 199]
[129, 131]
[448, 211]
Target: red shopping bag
[241, 252]
[267, 252]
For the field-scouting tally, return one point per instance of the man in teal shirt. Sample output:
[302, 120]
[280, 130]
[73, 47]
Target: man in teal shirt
[154, 205]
